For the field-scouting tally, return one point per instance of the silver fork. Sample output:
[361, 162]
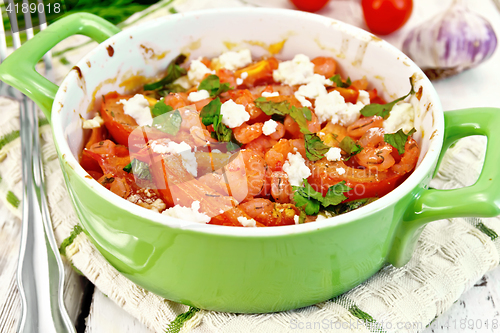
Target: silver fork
[40, 274]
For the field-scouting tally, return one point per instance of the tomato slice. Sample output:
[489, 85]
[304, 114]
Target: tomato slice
[373, 190]
[119, 124]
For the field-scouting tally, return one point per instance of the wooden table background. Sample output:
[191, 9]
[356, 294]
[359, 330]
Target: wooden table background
[92, 312]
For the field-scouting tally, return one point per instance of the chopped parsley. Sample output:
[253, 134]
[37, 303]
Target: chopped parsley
[311, 201]
[315, 148]
[398, 139]
[212, 84]
[138, 168]
[174, 71]
[349, 206]
[169, 122]
[300, 115]
[210, 115]
[160, 108]
[349, 146]
[339, 83]
[383, 110]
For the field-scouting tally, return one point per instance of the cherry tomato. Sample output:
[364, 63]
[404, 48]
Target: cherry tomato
[386, 16]
[309, 5]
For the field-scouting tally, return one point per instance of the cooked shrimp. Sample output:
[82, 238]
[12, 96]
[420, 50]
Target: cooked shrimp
[247, 133]
[177, 100]
[281, 190]
[376, 153]
[378, 158]
[261, 145]
[243, 177]
[245, 98]
[277, 155]
[409, 158]
[360, 126]
[270, 213]
[279, 132]
[325, 66]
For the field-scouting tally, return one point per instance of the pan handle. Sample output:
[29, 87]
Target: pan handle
[18, 70]
[479, 200]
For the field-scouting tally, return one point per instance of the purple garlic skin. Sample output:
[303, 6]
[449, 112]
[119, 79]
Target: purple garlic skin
[451, 42]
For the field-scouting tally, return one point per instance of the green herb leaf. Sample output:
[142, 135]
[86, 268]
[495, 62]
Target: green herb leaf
[210, 112]
[170, 88]
[383, 110]
[210, 115]
[302, 215]
[349, 146]
[349, 206]
[398, 139]
[174, 71]
[315, 148]
[300, 115]
[212, 84]
[160, 108]
[128, 167]
[139, 169]
[335, 194]
[339, 83]
[311, 200]
[169, 122]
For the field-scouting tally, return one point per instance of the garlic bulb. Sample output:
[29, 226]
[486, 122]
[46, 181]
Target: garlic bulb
[451, 42]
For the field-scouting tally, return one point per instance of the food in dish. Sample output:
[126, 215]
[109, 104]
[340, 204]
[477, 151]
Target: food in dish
[238, 142]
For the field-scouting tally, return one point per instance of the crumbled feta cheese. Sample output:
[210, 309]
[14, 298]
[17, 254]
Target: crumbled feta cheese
[268, 94]
[197, 71]
[233, 60]
[158, 205]
[196, 96]
[269, 127]
[364, 97]
[217, 151]
[244, 75]
[333, 107]
[296, 219]
[239, 81]
[312, 90]
[187, 213]
[183, 149]
[401, 117]
[184, 82]
[233, 115]
[138, 108]
[340, 171]
[296, 169]
[320, 217]
[95, 122]
[247, 222]
[134, 198]
[299, 70]
[333, 154]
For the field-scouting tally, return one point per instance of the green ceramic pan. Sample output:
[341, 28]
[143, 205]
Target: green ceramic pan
[251, 269]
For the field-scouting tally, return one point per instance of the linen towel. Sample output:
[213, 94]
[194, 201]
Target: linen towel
[450, 257]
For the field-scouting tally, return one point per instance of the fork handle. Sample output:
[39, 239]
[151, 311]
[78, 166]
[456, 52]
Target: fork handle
[18, 70]
[40, 270]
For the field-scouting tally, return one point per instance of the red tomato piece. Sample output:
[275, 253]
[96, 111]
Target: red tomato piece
[309, 5]
[116, 121]
[386, 16]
